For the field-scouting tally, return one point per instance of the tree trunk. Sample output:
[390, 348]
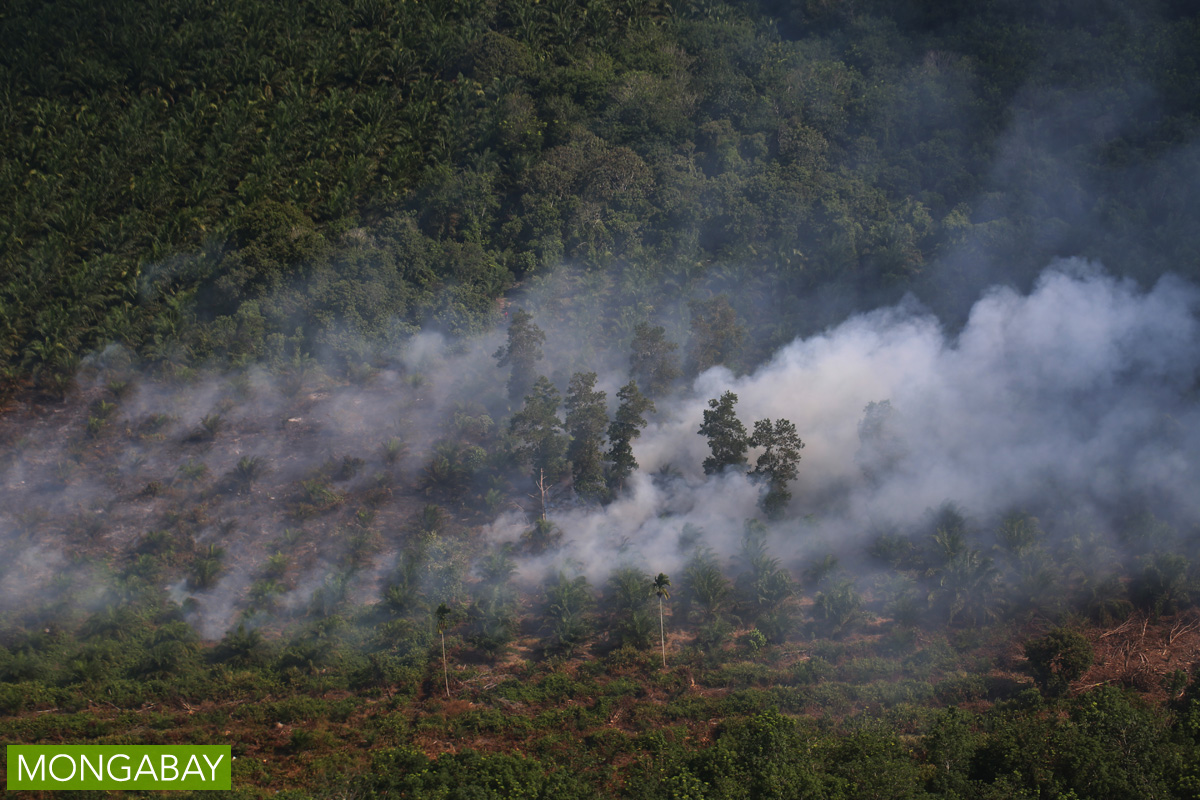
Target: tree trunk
[542, 490]
[445, 668]
[662, 631]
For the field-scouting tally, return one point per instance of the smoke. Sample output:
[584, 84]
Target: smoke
[1075, 398]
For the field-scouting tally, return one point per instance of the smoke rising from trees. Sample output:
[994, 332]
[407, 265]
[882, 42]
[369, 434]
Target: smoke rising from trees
[1074, 402]
[1076, 399]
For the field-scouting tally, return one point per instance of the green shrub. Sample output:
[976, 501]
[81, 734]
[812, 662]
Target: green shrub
[1057, 659]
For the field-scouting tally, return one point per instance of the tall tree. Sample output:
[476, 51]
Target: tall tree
[661, 588]
[652, 359]
[443, 621]
[726, 435]
[716, 335]
[522, 352]
[626, 426]
[777, 463]
[586, 421]
[880, 447]
[542, 443]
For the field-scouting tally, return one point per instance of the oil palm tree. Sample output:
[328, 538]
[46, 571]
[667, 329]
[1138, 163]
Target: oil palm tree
[660, 587]
[629, 602]
[566, 618]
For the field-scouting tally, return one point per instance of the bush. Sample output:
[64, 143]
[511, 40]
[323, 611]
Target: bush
[1056, 659]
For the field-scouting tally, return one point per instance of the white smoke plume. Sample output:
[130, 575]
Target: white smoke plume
[1074, 398]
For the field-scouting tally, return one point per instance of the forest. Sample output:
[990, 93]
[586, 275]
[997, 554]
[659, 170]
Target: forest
[584, 398]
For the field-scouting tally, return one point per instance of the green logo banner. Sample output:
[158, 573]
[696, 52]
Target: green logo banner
[87, 766]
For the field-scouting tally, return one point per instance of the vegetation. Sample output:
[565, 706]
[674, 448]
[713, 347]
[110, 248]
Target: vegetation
[626, 426]
[652, 360]
[777, 465]
[243, 184]
[523, 351]
[660, 588]
[1057, 659]
[726, 435]
[586, 421]
[285, 195]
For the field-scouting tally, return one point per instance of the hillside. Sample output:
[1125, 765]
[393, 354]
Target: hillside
[575, 399]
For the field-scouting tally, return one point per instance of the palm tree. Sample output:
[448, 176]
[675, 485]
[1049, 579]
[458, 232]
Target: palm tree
[659, 587]
[542, 537]
[967, 588]
[705, 585]
[629, 601]
[567, 603]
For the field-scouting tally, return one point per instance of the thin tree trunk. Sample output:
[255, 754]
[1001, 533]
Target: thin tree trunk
[445, 669]
[662, 632]
[541, 496]
[542, 490]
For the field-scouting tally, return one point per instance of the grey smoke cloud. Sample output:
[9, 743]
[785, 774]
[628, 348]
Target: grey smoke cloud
[1077, 394]
[1076, 397]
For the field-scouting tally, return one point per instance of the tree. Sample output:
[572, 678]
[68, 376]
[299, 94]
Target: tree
[207, 567]
[837, 608]
[967, 588]
[726, 435]
[661, 588]
[542, 537]
[628, 600]
[1160, 586]
[652, 360]
[626, 426]
[522, 352]
[586, 421]
[539, 432]
[765, 586]
[1105, 599]
[493, 612]
[242, 648]
[880, 448]
[716, 335]
[248, 470]
[443, 620]
[760, 756]
[1056, 659]
[493, 618]
[567, 603]
[705, 585]
[1030, 578]
[777, 463]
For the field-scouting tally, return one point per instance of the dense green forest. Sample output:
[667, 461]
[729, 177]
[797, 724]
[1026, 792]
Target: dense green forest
[359, 412]
[239, 180]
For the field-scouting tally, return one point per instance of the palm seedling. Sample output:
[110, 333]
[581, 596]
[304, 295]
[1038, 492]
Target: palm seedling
[393, 450]
[206, 569]
[248, 470]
